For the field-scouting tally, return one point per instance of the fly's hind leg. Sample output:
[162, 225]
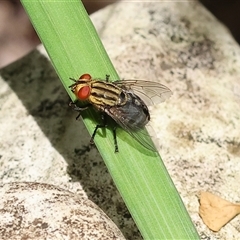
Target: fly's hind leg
[115, 139]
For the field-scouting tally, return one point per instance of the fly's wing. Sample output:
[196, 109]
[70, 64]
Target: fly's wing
[151, 93]
[143, 138]
[140, 134]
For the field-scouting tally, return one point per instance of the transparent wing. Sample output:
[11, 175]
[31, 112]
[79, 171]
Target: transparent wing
[140, 134]
[151, 93]
[143, 138]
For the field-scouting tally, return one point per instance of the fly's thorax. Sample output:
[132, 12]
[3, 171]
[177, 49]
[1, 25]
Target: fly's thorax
[106, 94]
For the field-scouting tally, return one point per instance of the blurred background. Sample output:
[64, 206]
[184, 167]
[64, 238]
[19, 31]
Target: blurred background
[17, 36]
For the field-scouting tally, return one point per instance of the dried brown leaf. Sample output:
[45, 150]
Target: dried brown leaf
[215, 211]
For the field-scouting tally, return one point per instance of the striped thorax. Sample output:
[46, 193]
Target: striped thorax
[99, 93]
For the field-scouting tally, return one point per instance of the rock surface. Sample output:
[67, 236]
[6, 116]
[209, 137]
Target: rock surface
[42, 211]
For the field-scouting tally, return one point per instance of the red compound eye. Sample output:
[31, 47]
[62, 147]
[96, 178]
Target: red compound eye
[86, 76]
[84, 92]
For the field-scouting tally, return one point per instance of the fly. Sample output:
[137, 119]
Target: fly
[125, 101]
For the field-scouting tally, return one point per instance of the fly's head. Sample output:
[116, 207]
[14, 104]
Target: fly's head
[82, 87]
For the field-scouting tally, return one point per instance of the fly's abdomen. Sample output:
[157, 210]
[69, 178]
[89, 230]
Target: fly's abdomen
[133, 115]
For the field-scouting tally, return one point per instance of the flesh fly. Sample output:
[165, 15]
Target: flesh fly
[125, 101]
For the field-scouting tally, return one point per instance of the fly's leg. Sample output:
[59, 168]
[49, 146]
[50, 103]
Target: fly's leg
[103, 125]
[107, 77]
[78, 109]
[115, 139]
[74, 107]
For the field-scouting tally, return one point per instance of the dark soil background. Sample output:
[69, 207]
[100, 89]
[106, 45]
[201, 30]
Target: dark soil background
[17, 36]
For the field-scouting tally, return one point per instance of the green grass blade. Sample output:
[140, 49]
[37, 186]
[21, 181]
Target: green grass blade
[74, 48]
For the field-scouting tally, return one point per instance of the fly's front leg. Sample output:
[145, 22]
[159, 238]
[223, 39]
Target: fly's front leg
[78, 109]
